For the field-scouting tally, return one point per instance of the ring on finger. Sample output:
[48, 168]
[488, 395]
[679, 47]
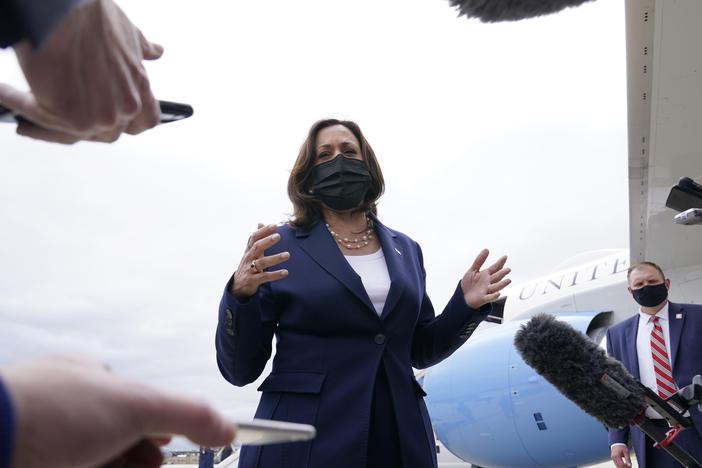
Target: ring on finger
[254, 267]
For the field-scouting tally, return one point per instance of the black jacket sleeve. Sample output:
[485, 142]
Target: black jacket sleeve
[31, 19]
[7, 427]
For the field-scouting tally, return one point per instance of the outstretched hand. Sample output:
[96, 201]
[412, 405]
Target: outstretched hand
[482, 286]
[73, 412]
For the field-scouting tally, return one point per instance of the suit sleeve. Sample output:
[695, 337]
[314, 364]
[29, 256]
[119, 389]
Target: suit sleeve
[7, 427]
[244, 335]
[616, 436]
[437, 337]
[32, 19]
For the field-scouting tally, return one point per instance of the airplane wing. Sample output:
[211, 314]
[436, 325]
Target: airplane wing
[664, 81]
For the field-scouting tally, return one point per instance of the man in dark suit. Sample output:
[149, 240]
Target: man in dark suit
[660, 347]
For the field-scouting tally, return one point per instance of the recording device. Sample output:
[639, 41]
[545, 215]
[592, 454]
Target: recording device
[491, 11]
[170, 112]
[266, 431]
[600, 385]
[691, 216]
[686, 197]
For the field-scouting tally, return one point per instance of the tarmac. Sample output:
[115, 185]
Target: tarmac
[445, 458]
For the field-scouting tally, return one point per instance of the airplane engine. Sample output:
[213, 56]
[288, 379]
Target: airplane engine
[488, 407]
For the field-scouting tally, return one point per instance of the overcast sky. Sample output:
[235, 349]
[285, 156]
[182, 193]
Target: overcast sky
[507, 136]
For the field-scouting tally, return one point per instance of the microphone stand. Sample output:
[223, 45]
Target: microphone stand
[684, 399]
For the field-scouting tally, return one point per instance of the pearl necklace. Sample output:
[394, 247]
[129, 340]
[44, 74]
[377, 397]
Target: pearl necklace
[354, 243]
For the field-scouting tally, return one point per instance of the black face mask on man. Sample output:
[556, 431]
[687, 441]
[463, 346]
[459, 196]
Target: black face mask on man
[341, 183]
[650, 296]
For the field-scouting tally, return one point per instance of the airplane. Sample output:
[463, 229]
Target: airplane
[486, 405]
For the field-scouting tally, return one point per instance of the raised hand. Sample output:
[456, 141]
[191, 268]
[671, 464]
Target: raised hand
[482, 286]
[250, 275]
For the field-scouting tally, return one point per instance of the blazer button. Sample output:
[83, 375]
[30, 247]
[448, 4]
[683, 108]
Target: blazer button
[379, 338]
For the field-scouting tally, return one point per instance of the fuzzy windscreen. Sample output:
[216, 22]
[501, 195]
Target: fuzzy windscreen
[575, 365]
[490, 11]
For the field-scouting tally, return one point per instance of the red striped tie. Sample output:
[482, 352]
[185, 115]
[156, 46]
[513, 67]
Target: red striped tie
[661, 363]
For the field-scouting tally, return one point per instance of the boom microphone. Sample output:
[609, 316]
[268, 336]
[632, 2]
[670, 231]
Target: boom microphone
[600, 385]
[490, 11]
[575, 365]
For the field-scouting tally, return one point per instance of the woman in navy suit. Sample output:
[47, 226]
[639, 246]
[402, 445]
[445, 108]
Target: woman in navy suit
[345, 297]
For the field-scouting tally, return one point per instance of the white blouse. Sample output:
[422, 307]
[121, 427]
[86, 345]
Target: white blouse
[375, 276]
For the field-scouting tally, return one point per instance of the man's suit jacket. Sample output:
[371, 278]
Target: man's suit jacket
[685, 322]
[330, 344]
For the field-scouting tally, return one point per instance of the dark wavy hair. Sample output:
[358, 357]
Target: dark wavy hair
[307, 210]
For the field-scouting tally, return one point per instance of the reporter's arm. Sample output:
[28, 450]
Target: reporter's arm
[102, 417]
[87, 79]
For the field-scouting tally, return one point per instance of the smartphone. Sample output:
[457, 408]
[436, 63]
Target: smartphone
[691, 216]
[170, 112]
[266, 431]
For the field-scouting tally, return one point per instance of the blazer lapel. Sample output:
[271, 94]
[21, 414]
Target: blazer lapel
[630, 340]
[319, 244]
[676, 320]
[394, 258]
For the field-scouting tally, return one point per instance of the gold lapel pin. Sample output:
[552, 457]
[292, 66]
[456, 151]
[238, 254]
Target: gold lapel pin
[398, 252]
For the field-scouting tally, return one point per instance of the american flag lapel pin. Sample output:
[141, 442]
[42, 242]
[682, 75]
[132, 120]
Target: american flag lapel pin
[678, 316]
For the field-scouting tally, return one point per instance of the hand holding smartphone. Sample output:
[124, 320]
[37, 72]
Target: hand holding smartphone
[170, 112]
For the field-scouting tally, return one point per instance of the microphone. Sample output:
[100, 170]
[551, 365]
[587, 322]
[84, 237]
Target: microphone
[490, 11]
[575, 365]
[598, 384]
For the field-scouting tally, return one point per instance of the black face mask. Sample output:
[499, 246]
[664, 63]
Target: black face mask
[650, 296]
[341, 183]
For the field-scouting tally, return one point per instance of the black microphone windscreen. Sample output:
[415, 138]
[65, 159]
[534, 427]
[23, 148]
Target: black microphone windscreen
[490, 11]
[576, 365]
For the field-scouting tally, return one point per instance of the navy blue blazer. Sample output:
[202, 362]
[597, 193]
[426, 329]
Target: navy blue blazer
[330, 343]
[685, 322]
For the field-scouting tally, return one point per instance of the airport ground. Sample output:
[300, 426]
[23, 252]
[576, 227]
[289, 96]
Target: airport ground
[441, 465]
[445, 458]
[448, 460]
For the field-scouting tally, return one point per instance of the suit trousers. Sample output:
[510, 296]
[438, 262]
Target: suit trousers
[383, 442]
